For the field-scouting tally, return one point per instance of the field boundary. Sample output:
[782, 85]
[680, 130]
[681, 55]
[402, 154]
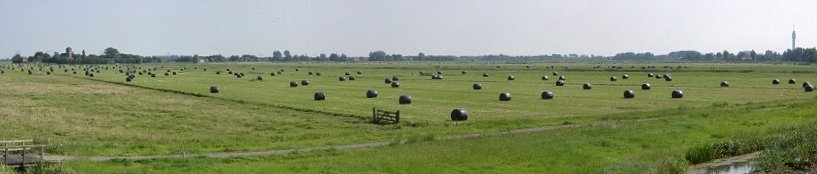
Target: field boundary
[231, 100]
[373, 144]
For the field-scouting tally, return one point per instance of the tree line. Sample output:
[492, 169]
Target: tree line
[112, 55]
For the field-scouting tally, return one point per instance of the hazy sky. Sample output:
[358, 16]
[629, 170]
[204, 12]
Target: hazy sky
[357, 27]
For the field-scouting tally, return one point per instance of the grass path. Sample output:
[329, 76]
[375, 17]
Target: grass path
[339, 147]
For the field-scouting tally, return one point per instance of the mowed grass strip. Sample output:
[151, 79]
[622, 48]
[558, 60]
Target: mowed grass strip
[626, 147]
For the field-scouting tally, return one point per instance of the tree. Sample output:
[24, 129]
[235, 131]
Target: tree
[322, 57]
[334, 57]
[377, 56]
[343, 57]
[287, 55]
[277, 55]
[111, 52]
[17, 59]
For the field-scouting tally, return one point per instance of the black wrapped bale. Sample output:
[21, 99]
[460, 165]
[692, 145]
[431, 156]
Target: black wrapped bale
[296, 69]
[658, 76]
[613, 78]
[174, 73]
[645, 86]
[511, 77]
[347, 73]
[352, 78]
[439, 72]
[668, 78]
[305, 82]
[359, 72]
[394, 78]
[422, 73]
[484, 74]
[48, 73]
[625, 76]
[629, 94]
[555, 73]
[464, 72]
[91, 75]
[320, 96]
[504, 96]
[547, 95]
[371, 93]
[395, 84]
[806, 84]
[279, 73]
[152, 75]
[459, 115]
[218, 72]
[293, 83]
[259, 78]
[677, 94]
[405, 99]
[318, 73]
[587, 86]
[809, 88]
[272, 74]
[545, 78]
[650, 75]
[167, 74]
[341, 78]
[310, 73]
[387, 80]
[792, 81]
[724, 84]
[128, 79]
[213, 89]
[560, 83]
[562, 78]
[776, 81]
[477, 86]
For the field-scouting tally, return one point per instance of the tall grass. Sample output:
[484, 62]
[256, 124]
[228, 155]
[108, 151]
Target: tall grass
[794, 150]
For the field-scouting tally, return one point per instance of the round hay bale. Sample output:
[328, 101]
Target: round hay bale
[352, 78]
[347, 73]
[562, 78]
[279, 73]
[477, 86]
[214, 89]
[510, 77]
[405, 99]
[310, 73]
[677, 94]
[371, 93]
[253, 68]
[613, 78]
[625, 76]
[341, 78]
[359, 72]
[555, 73]
[792, 81]
[806, 83]
[422, 73]
[464, 72]
[547, 95]
[629, 94]
[545, 78]
[272, 74]
[259, 77]
[645, 86]
[504, 96]
[439, 72]
[560, 83]
[387, 80]
[809, 88]
[91, 75]
[484, 74]
[318, 73]
[296, 69]
[174, 73]
[293, 83]
[725, 84]
[320, 96]
[668, 78]
[48, 73]
[394, 78]
[459, 115]
[128, 79]
[152, 75]
[305, 82]
[167, 74]
[395, 84]
[218, 72]
[587, 86]
[776, 81]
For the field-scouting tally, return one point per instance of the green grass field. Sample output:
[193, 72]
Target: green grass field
[104, 115]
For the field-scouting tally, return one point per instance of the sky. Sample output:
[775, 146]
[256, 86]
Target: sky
[434, 27]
